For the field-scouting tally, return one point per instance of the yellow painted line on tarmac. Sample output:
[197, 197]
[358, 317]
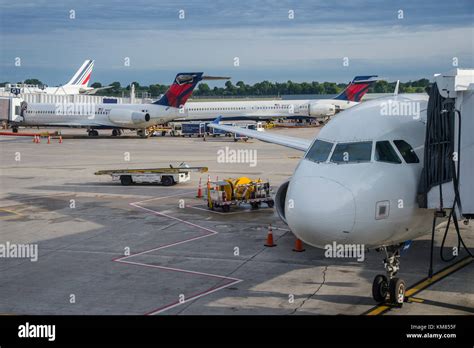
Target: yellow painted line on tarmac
[422, 285]
[415, 299]
[438, 276]
[14, 214]
[378, 310]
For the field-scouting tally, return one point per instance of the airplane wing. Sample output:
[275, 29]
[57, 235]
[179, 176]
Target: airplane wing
[94, 90]
[291, 142]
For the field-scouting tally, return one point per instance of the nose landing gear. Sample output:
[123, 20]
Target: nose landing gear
[383, 285]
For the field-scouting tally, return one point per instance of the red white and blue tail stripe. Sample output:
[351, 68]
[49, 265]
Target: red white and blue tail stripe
[357, 88]
[83, 75]
[180, 90]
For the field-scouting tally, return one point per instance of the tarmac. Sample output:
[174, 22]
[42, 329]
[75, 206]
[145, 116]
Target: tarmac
[104, 248]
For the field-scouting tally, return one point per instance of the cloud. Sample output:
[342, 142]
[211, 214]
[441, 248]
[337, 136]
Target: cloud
[268, 44]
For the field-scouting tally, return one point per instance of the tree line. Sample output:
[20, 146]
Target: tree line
[264, 88]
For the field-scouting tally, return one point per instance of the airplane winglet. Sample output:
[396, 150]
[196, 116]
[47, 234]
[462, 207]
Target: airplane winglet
[217, 120]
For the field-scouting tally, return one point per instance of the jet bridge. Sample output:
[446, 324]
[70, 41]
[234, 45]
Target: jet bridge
[448, 176]
[11, 109]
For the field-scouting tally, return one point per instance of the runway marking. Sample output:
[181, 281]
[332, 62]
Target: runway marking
[208, 232]
[422, 285]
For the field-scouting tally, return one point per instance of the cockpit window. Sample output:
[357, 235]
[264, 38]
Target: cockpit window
[352, 152]
[406, 151]
[384, 152]
[320, 151]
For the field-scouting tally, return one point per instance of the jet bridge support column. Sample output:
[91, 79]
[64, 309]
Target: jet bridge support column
[447, 178]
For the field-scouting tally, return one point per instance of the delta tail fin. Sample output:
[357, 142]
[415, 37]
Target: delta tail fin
[182, 88]
[357, 88]
[82, 76]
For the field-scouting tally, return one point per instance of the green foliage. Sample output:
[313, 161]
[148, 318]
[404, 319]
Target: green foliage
[264, 88]
[33, 82]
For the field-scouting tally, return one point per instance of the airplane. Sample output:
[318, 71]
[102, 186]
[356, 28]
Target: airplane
[270, 109]
[113, 116]
[357, 183]
[78, 84]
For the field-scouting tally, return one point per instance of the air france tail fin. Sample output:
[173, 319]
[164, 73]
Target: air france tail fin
[357, 88]
[82, 76]
[182, 88]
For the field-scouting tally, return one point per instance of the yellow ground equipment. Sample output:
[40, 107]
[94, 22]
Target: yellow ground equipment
[229, 192]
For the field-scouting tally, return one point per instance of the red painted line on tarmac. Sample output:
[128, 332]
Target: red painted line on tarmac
[209, 232]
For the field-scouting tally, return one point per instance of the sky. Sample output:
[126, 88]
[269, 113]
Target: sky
[369, 35]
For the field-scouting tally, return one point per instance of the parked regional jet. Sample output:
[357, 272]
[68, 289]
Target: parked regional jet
[77, 85]
[270, 109]
[113, 116]
[357, 183]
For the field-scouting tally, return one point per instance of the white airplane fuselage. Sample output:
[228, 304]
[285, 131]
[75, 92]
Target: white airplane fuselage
[265, 109]
[131, 116]
[65, 90]
[339, 202]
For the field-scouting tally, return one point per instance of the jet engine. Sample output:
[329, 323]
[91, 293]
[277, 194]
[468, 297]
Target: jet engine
[123, 117]
[321, 110]
[280, 199]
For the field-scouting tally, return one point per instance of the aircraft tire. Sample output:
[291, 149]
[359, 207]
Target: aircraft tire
[397, 291]
[380, 288]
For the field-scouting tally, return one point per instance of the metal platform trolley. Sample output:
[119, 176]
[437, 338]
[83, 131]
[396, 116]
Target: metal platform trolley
[166, 176]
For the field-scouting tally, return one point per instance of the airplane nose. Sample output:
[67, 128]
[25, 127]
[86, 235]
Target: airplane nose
[320, 211]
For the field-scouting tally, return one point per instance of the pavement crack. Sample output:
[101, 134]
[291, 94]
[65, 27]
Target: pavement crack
[313, 294]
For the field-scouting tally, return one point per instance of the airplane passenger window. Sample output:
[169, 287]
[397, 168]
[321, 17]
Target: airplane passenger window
[319, 151]
[384, 152]
[406, 151]
[352, 152]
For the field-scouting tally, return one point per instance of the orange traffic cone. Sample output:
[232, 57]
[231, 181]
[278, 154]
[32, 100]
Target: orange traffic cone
[199, 195]
[269, 242]
[298, 246]
[49, 139]
[60, 139]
